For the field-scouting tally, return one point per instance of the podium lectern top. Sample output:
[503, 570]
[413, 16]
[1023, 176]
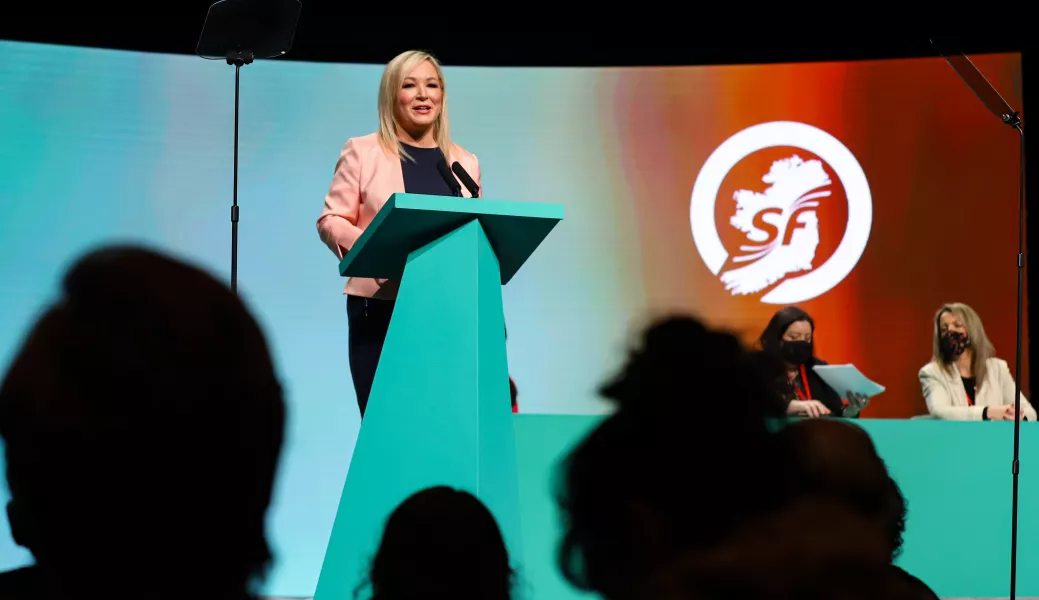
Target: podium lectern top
[408, 222]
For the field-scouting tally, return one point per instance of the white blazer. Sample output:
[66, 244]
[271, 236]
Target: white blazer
[947, 398]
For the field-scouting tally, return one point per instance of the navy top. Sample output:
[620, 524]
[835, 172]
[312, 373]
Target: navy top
[422, 176]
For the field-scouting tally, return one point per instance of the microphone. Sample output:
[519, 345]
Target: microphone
[456, 190]
[466, 179]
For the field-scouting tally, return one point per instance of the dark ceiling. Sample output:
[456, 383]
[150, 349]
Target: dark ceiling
[340, 31]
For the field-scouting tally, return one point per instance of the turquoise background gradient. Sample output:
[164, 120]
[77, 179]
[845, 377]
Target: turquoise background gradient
[100, 146]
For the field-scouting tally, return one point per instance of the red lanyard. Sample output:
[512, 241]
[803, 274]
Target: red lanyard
[807, 394]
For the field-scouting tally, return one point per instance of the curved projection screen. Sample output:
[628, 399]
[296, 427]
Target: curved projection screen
[869, 193]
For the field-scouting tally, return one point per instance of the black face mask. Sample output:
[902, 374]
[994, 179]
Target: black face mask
[796, 353]
[952, 344]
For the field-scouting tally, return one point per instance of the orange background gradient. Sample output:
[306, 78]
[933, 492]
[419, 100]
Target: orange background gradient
[942, 170]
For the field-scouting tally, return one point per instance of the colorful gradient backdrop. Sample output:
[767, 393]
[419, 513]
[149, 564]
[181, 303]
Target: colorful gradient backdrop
[943, 173]
[102, 145]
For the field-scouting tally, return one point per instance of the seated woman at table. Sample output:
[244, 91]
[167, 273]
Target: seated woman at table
[788, 340]
[964, 380]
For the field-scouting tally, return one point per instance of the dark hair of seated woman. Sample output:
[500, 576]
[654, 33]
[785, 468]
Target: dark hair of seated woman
[788, 346]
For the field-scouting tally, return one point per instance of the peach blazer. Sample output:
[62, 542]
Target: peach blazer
[366, 176]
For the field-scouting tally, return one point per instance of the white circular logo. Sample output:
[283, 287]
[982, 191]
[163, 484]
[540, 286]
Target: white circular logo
[776, 227]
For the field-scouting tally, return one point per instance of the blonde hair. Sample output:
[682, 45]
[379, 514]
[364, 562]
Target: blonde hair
[980, 345]
[392, 79]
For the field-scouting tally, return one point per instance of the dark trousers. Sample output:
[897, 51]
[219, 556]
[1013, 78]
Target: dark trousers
[369, 321]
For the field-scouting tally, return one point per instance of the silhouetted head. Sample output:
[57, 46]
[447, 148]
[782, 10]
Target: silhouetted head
[837, 460]
[687, 457]
[813, 549]
[142, 423]
[441, 543]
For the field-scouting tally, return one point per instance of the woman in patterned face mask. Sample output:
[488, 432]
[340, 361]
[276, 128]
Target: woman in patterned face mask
[964, 380]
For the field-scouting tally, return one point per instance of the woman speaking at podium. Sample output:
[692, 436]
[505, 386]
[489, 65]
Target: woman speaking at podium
[402, 156]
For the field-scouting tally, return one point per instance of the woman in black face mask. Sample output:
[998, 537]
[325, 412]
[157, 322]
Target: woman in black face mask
[964, 381]
[788, 340]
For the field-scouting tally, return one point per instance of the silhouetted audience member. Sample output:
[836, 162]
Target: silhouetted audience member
[441, 544]
[687, 458]
[837, 460]
[813, 549]
[142, 422]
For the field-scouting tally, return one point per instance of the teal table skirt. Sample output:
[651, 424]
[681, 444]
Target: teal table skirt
[956, 477]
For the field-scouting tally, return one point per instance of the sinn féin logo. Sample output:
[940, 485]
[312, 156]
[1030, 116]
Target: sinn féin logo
[781, 205]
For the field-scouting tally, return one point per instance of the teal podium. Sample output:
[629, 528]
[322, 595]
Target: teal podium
[439, 411]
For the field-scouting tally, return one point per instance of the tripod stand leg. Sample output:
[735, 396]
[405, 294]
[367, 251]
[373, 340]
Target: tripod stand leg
[234, 206]
[1016, 467]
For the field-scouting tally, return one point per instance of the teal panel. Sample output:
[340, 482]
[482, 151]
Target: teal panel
[480, 206]
[497, 483]
[439, 412]
[542, 442]
[955, 476]
[410, 221]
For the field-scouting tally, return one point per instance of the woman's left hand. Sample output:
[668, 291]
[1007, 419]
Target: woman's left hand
[856, 402]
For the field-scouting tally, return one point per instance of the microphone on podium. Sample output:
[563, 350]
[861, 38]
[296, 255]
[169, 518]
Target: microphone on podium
[466, 179]
[456, 190]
